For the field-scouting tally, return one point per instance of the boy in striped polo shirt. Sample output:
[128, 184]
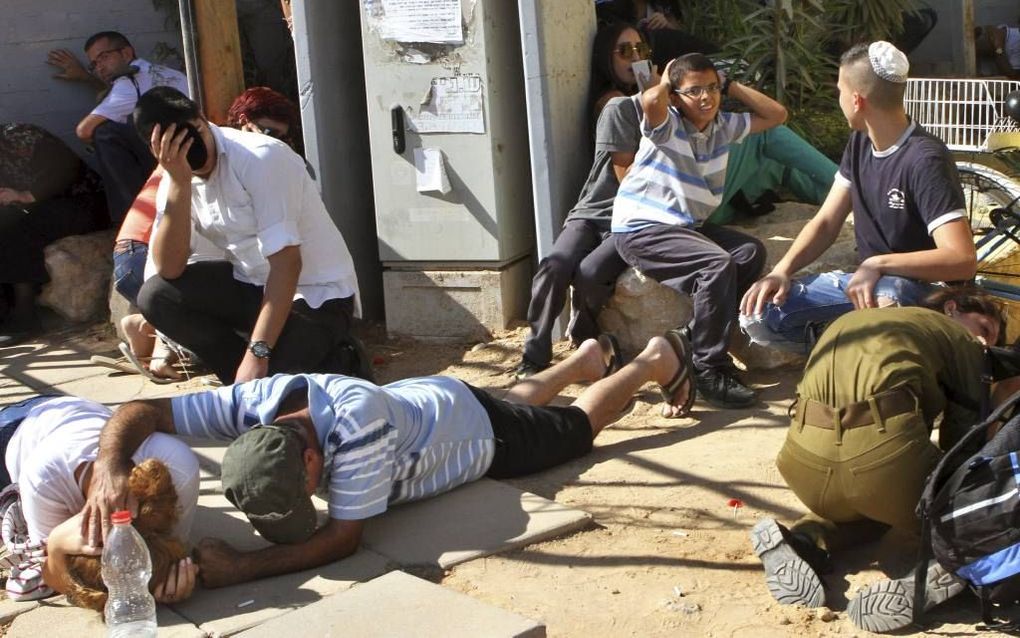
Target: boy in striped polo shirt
[675, 183]
[364, 448]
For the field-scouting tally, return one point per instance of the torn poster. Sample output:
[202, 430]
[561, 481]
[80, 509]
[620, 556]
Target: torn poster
[436, 21]
[452, 105]
[430, 168]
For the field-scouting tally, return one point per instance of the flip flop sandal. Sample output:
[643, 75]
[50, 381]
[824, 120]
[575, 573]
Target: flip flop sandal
[120, 364]
[611, 356]
[140, 368]
[682, 347]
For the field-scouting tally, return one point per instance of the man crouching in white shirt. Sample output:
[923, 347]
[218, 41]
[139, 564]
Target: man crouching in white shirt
[283, 298]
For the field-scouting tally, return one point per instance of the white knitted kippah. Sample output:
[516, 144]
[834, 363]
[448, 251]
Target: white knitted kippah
[888, 62]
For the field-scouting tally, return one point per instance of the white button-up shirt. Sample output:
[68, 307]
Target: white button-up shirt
[260, 199]
[120, 101]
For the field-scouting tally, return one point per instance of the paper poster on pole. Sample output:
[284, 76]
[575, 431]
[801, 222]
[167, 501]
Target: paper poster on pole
[452, 105]
[437, 21]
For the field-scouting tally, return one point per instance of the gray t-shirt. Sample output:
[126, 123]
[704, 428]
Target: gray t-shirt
[618, 131]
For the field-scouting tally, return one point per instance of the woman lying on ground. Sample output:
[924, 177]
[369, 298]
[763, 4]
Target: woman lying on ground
[49, 444]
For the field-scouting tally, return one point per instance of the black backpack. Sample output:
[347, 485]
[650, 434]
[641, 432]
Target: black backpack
[970, 515]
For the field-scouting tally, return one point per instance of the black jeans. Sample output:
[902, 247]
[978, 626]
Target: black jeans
[26, 231]
[579, 256]
[124, 162]
[210, 313]
[712, 264]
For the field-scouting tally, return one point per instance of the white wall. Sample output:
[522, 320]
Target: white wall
[557, 63]
[31, 28]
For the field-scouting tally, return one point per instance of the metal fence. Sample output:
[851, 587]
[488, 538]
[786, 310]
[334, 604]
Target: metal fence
[962, 113]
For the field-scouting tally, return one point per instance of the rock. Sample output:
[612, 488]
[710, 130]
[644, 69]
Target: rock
[79, 267]
[640, 309]
[826, 615]
[755, 357]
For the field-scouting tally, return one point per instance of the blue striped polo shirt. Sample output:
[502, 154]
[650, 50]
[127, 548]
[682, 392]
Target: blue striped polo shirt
[678, 173]
[381, 445]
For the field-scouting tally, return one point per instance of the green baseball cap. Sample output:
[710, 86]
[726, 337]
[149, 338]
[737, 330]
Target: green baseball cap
[263, 475]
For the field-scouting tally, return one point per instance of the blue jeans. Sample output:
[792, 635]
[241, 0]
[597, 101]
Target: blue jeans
[817, 300]
[129, 268]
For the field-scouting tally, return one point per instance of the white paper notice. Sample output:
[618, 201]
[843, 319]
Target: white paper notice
[436, 21]
[431, 170]
[453, 105]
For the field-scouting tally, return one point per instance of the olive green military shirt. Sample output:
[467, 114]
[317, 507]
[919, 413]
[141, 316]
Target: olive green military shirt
[866, 352]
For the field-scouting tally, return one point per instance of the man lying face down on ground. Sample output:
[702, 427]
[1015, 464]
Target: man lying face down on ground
[363, 447]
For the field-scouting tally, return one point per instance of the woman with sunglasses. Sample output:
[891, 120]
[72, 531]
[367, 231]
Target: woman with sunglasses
[584, 254]
[260, 109]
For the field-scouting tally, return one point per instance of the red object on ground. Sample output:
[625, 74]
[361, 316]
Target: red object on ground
[378, 360]
[735, 503]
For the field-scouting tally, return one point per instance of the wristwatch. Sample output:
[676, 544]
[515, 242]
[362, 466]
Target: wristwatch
[260, 349]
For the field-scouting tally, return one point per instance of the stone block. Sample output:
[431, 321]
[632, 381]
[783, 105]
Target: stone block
[11, 609]
[56, 617]
[455, 305]
[398, 604]
[642, 308]
[474, 520]
[80, 267]
[228, 610]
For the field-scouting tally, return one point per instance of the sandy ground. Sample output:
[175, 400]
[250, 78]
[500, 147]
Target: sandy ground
[667, 554]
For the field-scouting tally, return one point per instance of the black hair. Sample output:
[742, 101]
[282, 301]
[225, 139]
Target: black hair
[163, 105]
[116, 38]
[686, 64]
[602, 78]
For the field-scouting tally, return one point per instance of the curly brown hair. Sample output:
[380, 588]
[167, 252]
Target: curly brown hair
[151, 485]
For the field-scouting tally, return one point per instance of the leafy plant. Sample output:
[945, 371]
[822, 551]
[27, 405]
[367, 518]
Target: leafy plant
[785, 51]
[855, 21]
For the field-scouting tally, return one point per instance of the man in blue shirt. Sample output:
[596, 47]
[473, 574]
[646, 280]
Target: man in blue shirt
[364, 447]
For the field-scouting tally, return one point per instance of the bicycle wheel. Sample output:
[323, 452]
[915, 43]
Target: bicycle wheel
[986, 189]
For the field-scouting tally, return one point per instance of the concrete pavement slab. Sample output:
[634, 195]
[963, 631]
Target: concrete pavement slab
[475, 520]
[10, 609]
[400, 605]
[226, 611]
[55, 617]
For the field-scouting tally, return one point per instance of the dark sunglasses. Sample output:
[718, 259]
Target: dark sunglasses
[271, 132]
[627, 50]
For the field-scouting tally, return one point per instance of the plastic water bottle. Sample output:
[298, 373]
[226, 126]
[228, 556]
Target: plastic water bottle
[127, 567]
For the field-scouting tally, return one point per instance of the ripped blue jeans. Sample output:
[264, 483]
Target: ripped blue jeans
[816, 300]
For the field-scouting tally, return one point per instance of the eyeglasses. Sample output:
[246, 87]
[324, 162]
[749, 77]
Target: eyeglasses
[272, 132]
[627, 49]
[101, 56]
[697, 91]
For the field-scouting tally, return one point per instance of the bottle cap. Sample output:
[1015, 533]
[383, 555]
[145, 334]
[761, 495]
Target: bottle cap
[121, 517]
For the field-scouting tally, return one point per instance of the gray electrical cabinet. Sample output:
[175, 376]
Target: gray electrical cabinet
[452, 115]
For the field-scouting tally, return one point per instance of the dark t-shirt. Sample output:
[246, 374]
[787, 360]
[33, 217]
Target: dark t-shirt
[900, 195]
[618, 131]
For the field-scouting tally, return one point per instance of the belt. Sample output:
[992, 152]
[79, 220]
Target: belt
[856, 415]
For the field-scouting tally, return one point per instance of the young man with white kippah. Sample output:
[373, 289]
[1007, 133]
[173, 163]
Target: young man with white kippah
[910, 225]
